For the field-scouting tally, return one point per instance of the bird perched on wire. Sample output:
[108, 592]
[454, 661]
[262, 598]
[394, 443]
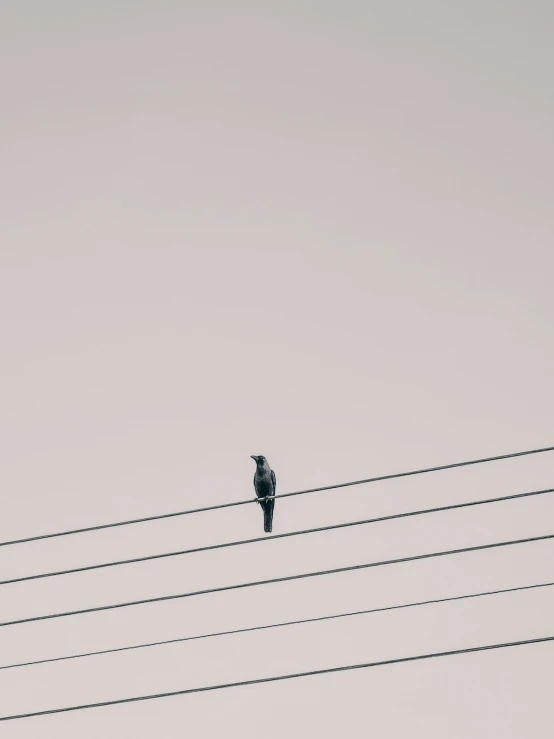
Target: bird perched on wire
[265, 485]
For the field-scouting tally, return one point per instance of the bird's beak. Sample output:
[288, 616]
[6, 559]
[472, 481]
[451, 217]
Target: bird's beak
[253, 456]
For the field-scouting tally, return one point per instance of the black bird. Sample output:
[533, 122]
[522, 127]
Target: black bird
[264, 485]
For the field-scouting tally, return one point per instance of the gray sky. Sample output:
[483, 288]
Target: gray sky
[321, 232]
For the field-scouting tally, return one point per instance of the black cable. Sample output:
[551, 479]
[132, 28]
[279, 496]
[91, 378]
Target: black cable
[287, 578]
[275, 678]
[284, 495]
[88, 568]
[280, 624]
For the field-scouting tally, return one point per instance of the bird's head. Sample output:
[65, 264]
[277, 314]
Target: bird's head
[259, 459]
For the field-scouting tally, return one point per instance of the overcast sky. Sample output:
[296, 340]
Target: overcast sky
[318, 231]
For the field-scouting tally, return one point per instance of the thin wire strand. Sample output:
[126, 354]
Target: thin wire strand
[258, 539]
[284, 495]
[274, 580]
[281, 624]
[276, 678]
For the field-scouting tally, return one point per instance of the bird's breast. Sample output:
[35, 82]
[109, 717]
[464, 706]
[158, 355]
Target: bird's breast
[263, 483]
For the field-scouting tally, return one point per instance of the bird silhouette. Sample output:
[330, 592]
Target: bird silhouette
[264, 485]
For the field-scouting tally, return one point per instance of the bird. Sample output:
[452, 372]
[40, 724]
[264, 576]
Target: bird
[265, 484]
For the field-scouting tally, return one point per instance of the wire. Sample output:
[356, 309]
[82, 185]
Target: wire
[276, 678]
[287, 578]
[258, 539]
[284, 495]
[280, 624]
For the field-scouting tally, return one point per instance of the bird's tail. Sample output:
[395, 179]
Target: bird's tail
[268, 515]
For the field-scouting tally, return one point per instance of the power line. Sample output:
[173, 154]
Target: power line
[284, 495]
[416, 604]
[287, 578]
[276, 678]
[195, 550]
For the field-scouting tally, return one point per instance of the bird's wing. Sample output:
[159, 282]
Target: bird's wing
[274, 481]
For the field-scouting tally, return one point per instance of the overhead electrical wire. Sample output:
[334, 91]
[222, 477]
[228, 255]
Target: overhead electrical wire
[263, 627]
[256, 540]
[286, 578]
[276, 678]
[278, 580]
[284, 495]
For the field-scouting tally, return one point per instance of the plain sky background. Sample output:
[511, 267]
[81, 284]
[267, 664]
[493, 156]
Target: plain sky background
[318, 231]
